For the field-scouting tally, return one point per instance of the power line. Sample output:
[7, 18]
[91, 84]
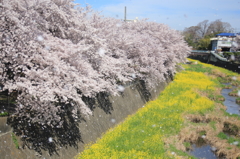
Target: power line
[236, 30]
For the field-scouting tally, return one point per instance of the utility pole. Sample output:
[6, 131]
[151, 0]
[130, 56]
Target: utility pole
[125, 17]
[125, 14]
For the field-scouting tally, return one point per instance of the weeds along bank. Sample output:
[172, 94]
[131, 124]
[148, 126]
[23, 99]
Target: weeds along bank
[166, 127]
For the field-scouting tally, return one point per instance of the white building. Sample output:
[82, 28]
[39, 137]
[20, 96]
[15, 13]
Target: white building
[223, 41]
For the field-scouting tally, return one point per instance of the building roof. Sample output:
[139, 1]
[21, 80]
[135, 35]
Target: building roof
[228, 34]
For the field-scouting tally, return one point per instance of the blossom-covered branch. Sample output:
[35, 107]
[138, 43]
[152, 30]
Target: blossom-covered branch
[52, 53]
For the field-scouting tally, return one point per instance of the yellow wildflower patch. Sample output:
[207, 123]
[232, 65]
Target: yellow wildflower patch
[142, 134]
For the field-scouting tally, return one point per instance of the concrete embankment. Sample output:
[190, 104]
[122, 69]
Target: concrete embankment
[135, 95]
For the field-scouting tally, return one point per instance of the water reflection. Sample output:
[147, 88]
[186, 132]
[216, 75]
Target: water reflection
[230, 102]
[203, 152]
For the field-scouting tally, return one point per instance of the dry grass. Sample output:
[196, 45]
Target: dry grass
[196, 124]
[187, 111]
[216, 94]
[238, 101]
[218, 73]
[208, 125]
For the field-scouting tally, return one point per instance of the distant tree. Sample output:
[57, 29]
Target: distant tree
[199, 36]
[191, 36]
[205, 42]
[203, 27]
[218, 26]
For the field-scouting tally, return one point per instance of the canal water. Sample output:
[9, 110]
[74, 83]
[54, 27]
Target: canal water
[230, 102]
[206, 151]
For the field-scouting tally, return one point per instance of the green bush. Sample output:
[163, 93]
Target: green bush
[4, 114]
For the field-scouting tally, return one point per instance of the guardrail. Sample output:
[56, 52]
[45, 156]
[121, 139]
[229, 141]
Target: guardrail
[208, 52]
[218, 56]
[200, 51]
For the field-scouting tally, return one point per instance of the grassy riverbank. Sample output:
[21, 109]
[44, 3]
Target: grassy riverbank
[189, 107]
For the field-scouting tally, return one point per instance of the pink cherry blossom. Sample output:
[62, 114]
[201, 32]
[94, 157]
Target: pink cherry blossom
[52, 53]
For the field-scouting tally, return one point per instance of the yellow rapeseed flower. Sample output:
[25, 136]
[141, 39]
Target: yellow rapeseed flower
[142, 135]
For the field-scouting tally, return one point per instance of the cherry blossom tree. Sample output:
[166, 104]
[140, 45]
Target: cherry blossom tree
[237, 45]
[53, 53]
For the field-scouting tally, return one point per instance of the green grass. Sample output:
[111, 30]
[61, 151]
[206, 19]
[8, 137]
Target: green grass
[222, 135]
[233, 92]
[202, 133]
[4, 114]
[199, 68]
[174, 150]
[15, 141]
[187, 144]
[238, 100]
[213, 124]
[144, 134]
[230, 140]
[211, 94]
[235, 82]
[231, 115]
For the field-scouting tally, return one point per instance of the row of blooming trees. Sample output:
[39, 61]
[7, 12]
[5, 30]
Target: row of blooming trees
[52, 54]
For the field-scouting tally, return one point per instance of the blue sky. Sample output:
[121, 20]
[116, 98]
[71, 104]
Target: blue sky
[178, 14]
